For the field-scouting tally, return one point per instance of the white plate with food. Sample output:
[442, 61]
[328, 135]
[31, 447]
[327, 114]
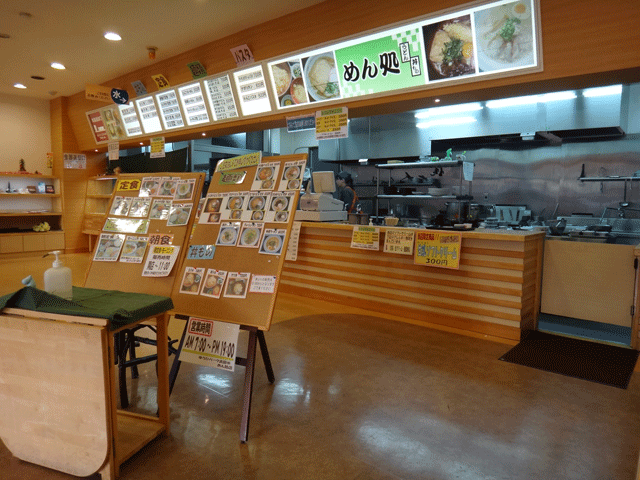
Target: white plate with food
[272, 244]
[321, 77]
[281, 74]
[279, 204]
[228, 236]
[250, 237]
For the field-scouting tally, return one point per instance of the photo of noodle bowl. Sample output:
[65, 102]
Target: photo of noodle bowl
[281, 77]
[267, 183]
[272, 244]
[228, 236]
[256, 203]
[234, 203]
[250, 237]
[291, 173]
[213, 205]
[321, 77]
[450, 48]
[282, 216]
[279, 204]
[236, 287]
[265, 173]
[293, 184]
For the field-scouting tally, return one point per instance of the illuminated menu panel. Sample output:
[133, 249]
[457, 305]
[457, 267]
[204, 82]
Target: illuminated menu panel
[148, 115]
[252, 90]
[193, 104]
[220, 96]
[130, 120]
[169, 109]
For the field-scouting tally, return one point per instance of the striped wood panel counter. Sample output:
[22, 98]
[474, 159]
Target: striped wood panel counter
[495, 292]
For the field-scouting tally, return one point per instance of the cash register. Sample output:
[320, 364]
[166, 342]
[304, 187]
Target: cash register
[320, 206]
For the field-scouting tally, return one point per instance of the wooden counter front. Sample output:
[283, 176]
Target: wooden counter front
[495, 292]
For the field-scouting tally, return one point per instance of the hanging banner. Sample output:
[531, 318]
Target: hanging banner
[438, 249]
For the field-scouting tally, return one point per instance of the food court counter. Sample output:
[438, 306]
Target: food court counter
[494, 292]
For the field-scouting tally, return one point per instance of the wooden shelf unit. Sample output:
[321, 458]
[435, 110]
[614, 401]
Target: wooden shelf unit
[20, 211]
[98, 195]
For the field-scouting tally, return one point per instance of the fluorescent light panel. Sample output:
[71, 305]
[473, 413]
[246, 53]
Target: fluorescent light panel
[446, 121]
[557, 96]
[602, 91]
[465, 107]
[514, 101]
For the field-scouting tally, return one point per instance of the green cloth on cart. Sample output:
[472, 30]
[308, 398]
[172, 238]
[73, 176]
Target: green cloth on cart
[121, 308]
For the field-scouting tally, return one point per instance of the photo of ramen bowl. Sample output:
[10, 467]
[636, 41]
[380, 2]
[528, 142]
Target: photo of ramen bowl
[234, 203]
[129, 248]
[214, 217]
[228, 236]
[250, 237]
[272, 243]
[236, 214]
[267, 184]
[213, 205]
[293, 184]
[168, 188]
[257, 203]
[281, 74]
[265, 173]
[257, 215]
[321, 77]
[282, 216]
[279, 204]
[184, 190]
[292, 172]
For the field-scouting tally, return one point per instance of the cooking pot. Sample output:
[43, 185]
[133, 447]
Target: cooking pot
[556, 227]
[457, 211]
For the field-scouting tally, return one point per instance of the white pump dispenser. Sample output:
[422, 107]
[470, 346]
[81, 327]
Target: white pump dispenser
[57, 279]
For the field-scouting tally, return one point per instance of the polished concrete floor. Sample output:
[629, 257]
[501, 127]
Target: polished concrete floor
[361, 397]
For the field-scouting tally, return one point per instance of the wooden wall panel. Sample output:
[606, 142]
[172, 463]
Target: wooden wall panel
[584, 43]
[495, 290]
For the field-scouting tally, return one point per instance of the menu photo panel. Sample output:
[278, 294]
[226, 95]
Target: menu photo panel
[130, 119]
[252, 91]
[170, 112]
[221, 98]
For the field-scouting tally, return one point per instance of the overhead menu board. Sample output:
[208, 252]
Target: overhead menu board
[495, 38]
[193, 104]
[252, 90]
[148, 115]
[169, 109]
[491, 39]
[220, 96]
[130, 120]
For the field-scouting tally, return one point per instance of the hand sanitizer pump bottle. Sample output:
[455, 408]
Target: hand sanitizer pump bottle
[57, 279]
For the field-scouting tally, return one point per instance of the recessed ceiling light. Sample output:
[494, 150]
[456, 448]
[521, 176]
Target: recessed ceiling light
[112, 36]
[19, 85]
[57, 66]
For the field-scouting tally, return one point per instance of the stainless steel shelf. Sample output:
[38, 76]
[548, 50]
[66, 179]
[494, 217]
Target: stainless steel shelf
[609, 179]
[417, 197]
[451, 163]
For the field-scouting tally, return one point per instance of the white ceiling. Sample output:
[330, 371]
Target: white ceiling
[71, 32]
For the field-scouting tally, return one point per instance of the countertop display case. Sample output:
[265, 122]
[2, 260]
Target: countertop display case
[30, 213]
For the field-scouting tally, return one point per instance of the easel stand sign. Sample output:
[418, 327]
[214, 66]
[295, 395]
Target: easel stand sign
[234, 259]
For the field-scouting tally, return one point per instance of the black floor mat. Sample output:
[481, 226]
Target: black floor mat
[591, 361]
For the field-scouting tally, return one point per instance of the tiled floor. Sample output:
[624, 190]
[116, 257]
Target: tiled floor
[359, 397]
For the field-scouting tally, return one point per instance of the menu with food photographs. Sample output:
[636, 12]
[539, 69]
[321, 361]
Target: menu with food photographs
[145, 233]
[247, 215]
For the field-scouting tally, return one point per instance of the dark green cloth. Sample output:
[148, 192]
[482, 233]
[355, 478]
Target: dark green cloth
[121, 308]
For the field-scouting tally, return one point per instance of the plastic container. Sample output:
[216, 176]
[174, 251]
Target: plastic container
[57, 279]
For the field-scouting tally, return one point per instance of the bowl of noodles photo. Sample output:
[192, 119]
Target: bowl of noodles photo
[450, 48]
[281, 74]
[321, 77]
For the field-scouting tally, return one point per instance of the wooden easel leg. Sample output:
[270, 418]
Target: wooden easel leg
[248, 385]
[175, 366]
[265, 357]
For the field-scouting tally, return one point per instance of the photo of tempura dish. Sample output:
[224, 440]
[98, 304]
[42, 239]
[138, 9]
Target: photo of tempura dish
[505, 36]
[449, 48]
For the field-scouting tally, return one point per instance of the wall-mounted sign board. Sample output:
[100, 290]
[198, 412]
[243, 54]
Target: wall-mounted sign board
[482, 40]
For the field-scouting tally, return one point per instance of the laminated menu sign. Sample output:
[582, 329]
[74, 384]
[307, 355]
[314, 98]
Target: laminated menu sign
[169, 109]
[160, 260]
[148, 115]
[237, 284]
[130, 120]
[273, 240]
[220, 96]
[332, 123]
[98, 127]
[399, 241]
[262, 284]
[366, 238]
[280, 207]
[266, 176]
[108, 248]
[191, 280]
[438, 249]
[209, 343]
[252, 90]
[134, 249]
[193, 104]
[213, 283]
[292, 175]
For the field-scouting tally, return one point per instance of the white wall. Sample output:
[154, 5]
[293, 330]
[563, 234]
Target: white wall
[25, 132]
